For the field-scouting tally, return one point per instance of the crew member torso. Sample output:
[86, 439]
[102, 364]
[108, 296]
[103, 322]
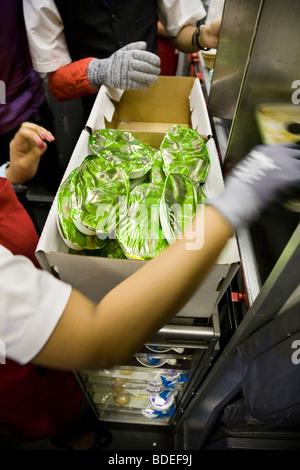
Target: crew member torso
[97, 28]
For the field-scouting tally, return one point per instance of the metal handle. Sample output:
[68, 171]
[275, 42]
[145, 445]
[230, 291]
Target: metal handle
[185, 336]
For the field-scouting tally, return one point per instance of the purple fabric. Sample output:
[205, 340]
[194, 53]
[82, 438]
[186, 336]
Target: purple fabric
[22, 84]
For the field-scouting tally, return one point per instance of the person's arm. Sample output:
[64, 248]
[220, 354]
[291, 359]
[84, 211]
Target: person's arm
[89, 336]
[180, 17]
[26, 149]
[161, 30]
[50, 54]
[71, 81]
[45, 34]
[83, 335]
[131, 67]
[190, 37]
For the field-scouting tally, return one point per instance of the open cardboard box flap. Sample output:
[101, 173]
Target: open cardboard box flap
[171, 101]
[154, 109]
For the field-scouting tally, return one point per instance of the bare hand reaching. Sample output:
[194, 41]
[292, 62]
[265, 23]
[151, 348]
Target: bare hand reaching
[26, 149]
[210, 34]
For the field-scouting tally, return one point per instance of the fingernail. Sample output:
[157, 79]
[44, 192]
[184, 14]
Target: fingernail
[47, 135]
[38, 140]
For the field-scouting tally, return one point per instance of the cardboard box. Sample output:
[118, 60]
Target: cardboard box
[148, 114]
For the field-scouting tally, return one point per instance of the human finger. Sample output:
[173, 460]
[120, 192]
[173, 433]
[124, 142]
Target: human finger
[142, 78]
[35, 133]
[139, 45]
[147, 58]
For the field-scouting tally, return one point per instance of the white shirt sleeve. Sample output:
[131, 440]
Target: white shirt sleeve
[32, 302]
[47, 43]
[45, 32]
[174, 14]
[2, 170]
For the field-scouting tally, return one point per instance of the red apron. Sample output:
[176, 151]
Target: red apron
[35, 403]
[168, 57]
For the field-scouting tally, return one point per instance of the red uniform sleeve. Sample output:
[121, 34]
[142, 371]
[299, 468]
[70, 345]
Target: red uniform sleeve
[70, 81]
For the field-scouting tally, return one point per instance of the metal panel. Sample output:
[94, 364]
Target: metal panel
[254, 69]
[204, 341]
[238, 24]
[271, 70]
[225, 379]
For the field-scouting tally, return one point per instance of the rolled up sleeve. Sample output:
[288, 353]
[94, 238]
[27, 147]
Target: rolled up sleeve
[45, 32]
[174, 14]
[32, 302]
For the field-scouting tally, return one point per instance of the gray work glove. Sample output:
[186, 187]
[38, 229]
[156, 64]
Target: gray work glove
[262, 177]
[131, 67]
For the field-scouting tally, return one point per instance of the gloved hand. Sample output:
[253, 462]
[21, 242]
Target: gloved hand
[131, 67]
[262, 177]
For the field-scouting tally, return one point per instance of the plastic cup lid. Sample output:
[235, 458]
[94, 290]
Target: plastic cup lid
[99, 194]
[184, 151]
[140, 233]
[69, 233]
[178, 204]
[123, 150]
[161, 401]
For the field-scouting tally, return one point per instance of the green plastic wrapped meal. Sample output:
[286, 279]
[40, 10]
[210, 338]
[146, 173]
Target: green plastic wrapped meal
[123, 150]
[72, 237]
[157, 174]
[140, 234]
[111, 249]
[99, 196]
[179, 202]
[184, 151]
